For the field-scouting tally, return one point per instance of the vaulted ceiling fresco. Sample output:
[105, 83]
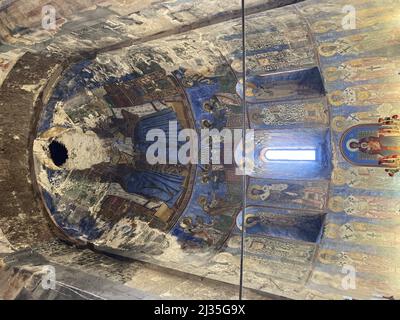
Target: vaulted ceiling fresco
[323, 195]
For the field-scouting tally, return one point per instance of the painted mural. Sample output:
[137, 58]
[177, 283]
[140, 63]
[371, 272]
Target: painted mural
[374, 145]
[311, 86]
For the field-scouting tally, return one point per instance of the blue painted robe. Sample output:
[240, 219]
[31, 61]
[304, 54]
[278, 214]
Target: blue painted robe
[157, 120]
[163, 186]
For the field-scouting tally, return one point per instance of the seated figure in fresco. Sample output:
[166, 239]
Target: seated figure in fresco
[114, 158]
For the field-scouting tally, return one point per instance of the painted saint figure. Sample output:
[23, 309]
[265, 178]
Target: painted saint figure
[374, 145]
[383, 146]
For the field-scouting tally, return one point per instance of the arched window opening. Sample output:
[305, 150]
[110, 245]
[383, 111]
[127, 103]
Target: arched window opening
[289, 155]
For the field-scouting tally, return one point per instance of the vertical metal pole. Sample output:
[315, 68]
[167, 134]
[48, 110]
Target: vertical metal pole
[243, 149]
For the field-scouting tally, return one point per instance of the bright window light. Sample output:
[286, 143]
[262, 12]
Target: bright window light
[290, 155]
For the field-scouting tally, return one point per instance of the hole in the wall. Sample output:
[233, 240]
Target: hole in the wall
[58, 153]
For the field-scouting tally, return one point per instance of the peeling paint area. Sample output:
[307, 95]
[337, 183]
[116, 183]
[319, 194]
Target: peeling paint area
[5, 246]
[7, 61]
[290, 227]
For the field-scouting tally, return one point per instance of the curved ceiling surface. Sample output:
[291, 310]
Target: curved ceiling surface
[322, 195]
